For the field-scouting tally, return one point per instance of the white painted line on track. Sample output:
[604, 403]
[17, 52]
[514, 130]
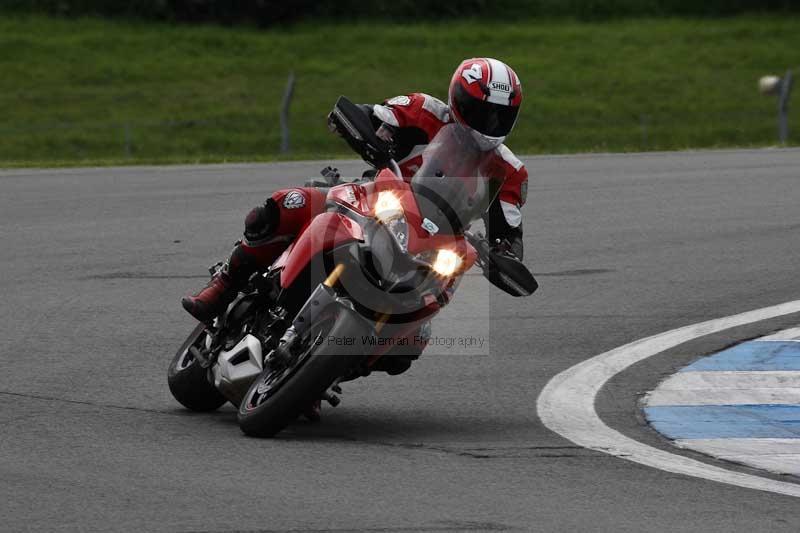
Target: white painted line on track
[732, 379]
[744, 446]
[776, 463]
[774, 455]
[566, 404]
[785, 335]
[660, 398]
[728, 388]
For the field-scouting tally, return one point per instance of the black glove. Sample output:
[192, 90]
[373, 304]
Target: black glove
[511, 246]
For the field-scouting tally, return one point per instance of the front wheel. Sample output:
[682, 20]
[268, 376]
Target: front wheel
[278, 396]
[188, 381]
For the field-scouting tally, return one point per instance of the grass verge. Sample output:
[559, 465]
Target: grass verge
[98, 91]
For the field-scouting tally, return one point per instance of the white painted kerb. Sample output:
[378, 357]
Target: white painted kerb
[566, 405]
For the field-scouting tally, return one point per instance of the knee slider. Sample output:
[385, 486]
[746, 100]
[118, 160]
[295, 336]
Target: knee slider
[261, 222]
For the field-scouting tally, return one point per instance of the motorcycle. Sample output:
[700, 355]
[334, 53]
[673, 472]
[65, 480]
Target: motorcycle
[346, 296]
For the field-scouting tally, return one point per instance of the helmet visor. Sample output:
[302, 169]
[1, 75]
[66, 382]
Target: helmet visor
[494, 120]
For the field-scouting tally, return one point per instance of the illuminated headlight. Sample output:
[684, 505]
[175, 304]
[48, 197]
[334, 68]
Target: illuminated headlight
[398, 227]
[387, 206]
[447, 263]
[389, 211]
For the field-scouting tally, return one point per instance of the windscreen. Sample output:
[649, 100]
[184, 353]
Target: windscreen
[448, 187]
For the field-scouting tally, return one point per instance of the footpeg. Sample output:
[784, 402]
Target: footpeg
[199, 357]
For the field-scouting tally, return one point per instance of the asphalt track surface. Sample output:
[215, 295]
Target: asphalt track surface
[95, 260]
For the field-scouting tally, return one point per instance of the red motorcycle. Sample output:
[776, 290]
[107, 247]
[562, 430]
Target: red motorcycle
[354, 289]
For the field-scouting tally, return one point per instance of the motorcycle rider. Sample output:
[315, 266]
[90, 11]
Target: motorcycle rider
[484, 96]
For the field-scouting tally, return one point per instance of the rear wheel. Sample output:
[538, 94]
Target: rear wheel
[188, 381]
[278, 396]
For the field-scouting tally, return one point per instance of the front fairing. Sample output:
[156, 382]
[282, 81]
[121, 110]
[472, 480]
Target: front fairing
[324, 233]
[351, 196]
[420, 239]
[430, 226]
[450, 191]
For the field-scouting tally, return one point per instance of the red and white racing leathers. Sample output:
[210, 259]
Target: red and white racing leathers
[409, 122]
[416, 118]
[412, 120]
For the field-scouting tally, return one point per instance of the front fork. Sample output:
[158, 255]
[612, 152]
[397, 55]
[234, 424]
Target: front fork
[322, 300]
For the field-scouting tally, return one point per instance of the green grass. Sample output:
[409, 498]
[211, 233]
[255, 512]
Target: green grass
[96, 91]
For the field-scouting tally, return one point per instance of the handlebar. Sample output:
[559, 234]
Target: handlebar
[481, 246]
[394, 167]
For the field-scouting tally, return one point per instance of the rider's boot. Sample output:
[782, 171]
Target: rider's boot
[312, 412]
[260, 247]
[213, 298]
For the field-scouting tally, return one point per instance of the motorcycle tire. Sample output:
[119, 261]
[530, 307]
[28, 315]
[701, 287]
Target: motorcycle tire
[306, 382]
[188, 381]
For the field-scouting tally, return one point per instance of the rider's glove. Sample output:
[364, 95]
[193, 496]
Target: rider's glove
[511, 246]
[386, 133]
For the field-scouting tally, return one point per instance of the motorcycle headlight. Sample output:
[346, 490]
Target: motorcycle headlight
[389, 211]
[388, 206]
[398, 227]
[447, 263]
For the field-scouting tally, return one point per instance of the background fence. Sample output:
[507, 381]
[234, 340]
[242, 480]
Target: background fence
[258, 136]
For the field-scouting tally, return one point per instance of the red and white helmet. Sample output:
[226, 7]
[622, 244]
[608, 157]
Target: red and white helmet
[485, 95]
